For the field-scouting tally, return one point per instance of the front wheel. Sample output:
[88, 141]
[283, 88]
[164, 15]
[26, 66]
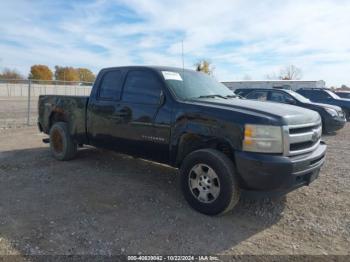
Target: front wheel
[62, 145]
[208, 182]
[347, 115]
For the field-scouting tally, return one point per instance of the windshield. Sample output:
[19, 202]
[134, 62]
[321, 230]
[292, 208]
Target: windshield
[333, 95]
[191, 84]
[298, 97]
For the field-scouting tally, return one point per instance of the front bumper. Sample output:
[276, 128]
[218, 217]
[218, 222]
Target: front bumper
[279, 174]
[333, 124]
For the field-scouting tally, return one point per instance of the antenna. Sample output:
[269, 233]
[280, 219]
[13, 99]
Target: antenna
[183, 64]
[182, 54]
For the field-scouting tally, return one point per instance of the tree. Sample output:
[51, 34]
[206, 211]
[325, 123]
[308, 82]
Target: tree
[11, 74]
[66, 73]
[85, 75]
[205, 66]
[290, 72]
[40, 72]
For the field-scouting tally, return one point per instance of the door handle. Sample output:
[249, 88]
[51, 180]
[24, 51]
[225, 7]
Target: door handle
[119, 115]
[123, 114]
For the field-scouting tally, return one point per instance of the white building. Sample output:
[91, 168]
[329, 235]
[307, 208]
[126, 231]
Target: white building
[285, 84]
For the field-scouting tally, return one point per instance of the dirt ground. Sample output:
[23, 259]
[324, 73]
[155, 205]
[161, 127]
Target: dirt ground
[107, 203]
[14, 111]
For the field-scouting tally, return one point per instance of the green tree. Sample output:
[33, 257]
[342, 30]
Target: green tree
[204, 66]
[40, 72]
[85, 75]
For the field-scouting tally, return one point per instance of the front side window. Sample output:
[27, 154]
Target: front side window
[258, 95]
[110, 87]
[142, 87]
[280, 97]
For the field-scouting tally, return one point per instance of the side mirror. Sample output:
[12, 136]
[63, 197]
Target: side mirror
[161, 98]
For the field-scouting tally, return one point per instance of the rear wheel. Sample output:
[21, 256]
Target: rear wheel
[62, 145]
[208, 182]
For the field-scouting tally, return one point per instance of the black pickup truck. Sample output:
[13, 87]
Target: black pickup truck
[221, 144]
[333, 117]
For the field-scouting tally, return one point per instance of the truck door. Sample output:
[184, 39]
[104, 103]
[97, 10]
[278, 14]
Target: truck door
[103, 117]
[145, 119]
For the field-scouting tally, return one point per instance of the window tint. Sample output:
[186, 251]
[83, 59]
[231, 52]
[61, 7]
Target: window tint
[315, 94]
[142, 87]
[305, 93]
[258, 95]
[321, 95]
[111, 85]
[280, 97]
[242, 92]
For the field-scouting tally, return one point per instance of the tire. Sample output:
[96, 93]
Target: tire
[204, 192]
[62, 145]
[347, 115]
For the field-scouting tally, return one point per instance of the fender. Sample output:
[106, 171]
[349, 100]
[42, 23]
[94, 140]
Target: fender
[193, 133]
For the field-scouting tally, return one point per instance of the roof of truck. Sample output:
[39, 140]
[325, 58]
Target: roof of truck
[158, 68]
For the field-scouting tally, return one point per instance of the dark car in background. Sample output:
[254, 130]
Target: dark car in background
[333, 117]
[343, 94]
[325, 96]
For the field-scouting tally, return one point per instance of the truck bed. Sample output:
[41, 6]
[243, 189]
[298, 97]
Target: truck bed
[70, 109]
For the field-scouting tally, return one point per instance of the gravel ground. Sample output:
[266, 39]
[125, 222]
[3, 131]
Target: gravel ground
[108, 203]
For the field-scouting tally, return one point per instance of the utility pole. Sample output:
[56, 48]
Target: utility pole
[28, 102]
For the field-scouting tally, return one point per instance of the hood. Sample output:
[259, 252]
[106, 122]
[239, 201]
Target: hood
[344, 100]
[337, 108]
[291, 115]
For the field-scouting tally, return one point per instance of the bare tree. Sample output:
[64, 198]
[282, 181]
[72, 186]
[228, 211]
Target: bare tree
[290, 72]
[205, 66]
[11, 74]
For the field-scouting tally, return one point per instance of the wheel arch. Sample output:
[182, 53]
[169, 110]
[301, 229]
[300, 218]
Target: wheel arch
[189, 142]
[57, 115]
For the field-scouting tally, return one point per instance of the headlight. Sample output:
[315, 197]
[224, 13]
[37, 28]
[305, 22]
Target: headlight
[264, 139]
[332, 112]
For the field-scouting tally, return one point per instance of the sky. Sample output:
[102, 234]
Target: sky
[241, 38]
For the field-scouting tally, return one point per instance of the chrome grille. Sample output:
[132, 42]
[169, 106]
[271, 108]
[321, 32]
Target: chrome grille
[300, 139]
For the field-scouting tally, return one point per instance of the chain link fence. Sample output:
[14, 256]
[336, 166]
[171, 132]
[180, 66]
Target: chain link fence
[19, 98]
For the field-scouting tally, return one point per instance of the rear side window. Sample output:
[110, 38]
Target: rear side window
[258, 95]
[323, 95]
[304, 93]
[142, 87]
[314, 94]
[110, 87]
